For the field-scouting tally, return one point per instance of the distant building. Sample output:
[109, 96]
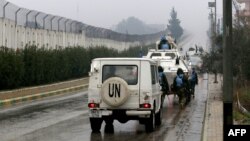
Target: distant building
[245, 13]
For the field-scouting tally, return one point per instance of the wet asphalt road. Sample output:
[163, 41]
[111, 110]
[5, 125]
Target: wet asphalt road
[66, 119]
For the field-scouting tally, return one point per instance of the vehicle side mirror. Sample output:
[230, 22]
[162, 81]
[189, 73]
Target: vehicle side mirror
[93, 70]
[90, 73]
[96, 70]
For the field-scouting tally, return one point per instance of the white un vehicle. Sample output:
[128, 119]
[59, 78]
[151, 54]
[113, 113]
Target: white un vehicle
[124, 89]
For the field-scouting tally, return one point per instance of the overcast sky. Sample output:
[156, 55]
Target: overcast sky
[106, 13]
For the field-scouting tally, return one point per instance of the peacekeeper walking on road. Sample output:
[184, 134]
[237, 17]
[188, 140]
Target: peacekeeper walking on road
[180, 85]
[163, 82]
[193, 81]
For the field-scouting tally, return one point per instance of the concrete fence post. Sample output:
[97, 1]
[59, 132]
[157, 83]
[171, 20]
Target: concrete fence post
[27, 16]
[44, 18]
[51, 22]
[36, 20]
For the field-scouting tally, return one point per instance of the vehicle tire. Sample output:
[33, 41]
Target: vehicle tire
[150, 122]
[142, 121]
[109, 120]
[158, 118]
[95, 124]
[109, 127]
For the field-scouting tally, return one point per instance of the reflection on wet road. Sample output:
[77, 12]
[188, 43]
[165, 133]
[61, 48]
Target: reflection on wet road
[67, 120]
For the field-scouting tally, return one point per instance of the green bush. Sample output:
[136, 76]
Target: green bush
[11, 68]
[35, 66]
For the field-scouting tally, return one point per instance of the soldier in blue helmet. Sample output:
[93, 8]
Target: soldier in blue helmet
[180, 86]
[163, 43]
[193, 81]
[163, 82]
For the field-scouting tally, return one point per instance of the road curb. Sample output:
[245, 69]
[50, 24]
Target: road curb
[204, 128]
[18, 100]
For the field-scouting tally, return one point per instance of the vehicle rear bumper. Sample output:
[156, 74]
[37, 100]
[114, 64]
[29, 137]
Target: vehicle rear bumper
[101, 112]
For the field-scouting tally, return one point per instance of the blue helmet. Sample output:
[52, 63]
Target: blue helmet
[163, 37]
[179, 71]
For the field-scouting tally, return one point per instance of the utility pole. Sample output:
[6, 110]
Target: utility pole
[211, 38]
[215, 35]
[227, 63]
[215, 18]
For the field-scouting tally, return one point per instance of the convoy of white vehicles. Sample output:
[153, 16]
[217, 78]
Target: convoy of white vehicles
[126, 89]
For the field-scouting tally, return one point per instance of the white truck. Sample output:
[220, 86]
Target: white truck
[124, 89]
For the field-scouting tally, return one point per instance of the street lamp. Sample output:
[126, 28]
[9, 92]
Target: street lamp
[215, 21]
[213, 5]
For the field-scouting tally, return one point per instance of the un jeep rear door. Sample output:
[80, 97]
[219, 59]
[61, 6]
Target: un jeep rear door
[150, 83]
[127, 70]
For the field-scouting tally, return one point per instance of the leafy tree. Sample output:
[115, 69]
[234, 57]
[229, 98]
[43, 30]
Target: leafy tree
[133, 25]
[174, 25]
[240, 54]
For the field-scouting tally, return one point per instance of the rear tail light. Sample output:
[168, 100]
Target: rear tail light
[145, 105]
[93, 105]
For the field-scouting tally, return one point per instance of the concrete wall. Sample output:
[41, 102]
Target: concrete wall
[16, 36]
[119, 45]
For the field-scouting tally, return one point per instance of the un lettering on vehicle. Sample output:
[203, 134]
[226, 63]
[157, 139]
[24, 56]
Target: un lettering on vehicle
[114, 90]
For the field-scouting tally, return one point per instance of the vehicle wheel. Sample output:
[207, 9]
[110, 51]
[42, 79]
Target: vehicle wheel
[95, 124]
[109, 128]
[150, 122]
[158, 118]
[109, 120]
[142, 121]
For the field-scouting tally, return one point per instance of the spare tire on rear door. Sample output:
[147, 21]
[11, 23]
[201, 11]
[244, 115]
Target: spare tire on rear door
[114, 91]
